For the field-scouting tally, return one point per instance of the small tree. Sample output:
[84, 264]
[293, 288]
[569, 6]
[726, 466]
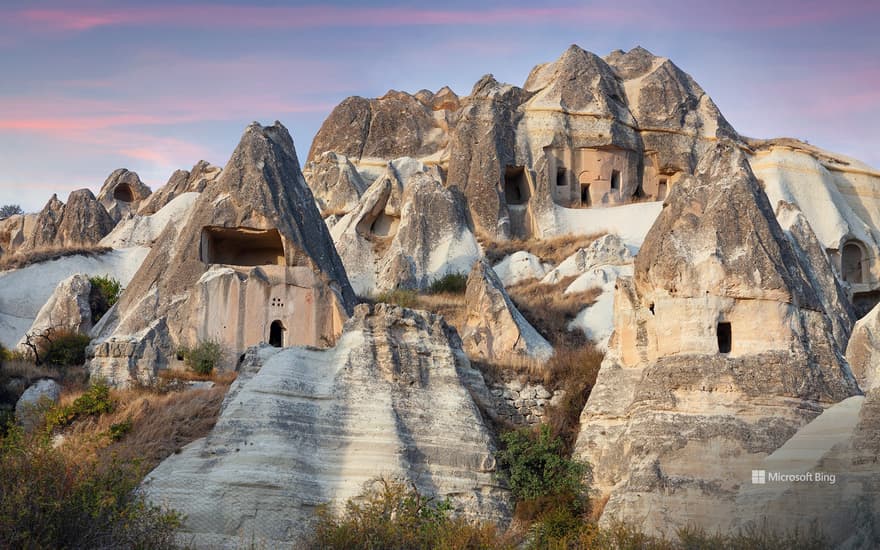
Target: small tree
[202, 358]
[9, 210]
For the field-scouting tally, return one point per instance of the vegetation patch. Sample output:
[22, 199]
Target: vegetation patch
[550, 250]
[202, 358]
[94, 402]
[399, 297]
[20, 260]
[105, 293]
[451, 283]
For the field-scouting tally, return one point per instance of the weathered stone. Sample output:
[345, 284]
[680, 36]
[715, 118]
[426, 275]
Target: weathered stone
[35, 400]
[122, 193]
[180, 182]
[495, 330]
[335, 182]
[82, 222]
[393, 399]
[68, 309]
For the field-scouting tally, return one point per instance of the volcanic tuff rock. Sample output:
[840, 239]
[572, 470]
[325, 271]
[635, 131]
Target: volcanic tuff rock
[335, 182]
[67, 309]
[29, 407]
[15, 232]
[495, 330]
[722, 350]
[406, 231]
[260, 221]
[302, 427]
[180, 182]
[122, 193]
[518, 155]
[83, 221]
[863, 351]
[606, 250]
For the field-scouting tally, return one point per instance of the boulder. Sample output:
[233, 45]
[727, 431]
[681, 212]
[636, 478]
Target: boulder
[68, 308]
[180, 182]
[122, 193]
[258, 226]
[520, 267]
[39, 396]
[607, 250]
[721, 352]
[495, 330]
[303, 427]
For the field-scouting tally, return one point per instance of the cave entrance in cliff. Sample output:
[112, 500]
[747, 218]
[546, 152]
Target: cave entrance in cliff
[661, 189]
[585, 195]
[561, 176]
[241, 246]
[516, 189]
[725, 337]
[123, 193]
[852, 261]
[276, 334]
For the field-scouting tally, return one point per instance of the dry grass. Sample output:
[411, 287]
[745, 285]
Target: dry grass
[159, 424]
[550, 311]
[451, 306]
[551, 250]
[20, 260]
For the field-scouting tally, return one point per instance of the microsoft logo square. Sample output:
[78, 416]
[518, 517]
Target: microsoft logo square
[759, 477]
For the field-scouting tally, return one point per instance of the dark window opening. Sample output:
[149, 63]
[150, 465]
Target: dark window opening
[561, 179]
[639, 193]
[615, 179]
[851, 263]
[276, 334]
[242, 246]
[661, 190]
[651, 307]
[585, 195]
[724, 338]
[123, 193]
[516, 190]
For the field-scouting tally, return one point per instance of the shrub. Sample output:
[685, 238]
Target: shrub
[536, 467]
[51, 500]
[9, 210]
[399, 297]
[105, 293]
[204, 357]
[453, 283]
[94, 402]
[391, 514]
[64, 349]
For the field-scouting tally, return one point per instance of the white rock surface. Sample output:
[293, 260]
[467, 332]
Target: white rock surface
[519, 267]
[606, 250]
[144, 230]
[41, 393]
[302, 427]
[597, 320]
[67, 308]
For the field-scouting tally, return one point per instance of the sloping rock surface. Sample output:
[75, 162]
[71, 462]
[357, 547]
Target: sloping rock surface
[302, 427]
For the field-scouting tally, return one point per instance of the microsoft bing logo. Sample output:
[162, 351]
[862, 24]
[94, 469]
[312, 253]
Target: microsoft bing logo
[759, 477]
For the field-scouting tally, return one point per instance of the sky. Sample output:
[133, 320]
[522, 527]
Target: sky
[153, 86]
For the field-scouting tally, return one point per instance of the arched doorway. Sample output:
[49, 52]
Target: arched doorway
[852, 261]
[276, 334]
[123, 193]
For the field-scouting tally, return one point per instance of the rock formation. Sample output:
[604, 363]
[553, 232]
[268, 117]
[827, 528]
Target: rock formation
[335, 182]
[406, 231]
[122, 193]
[252, 263]
[606, 250]
[303, 427]
[180, 182]
[15, 231]
[69, 308]
[495, 330]
[863, 351]
[82, 222]
[722, 350]
[582, 132]
[30, 406]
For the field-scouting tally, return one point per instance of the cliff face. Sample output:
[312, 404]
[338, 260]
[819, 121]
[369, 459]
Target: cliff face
[722, 350]
[304, 427]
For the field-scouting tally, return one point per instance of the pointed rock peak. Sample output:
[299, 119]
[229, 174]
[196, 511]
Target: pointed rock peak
[717, 235]
[634, 63]
[445, 91]
[54, 203]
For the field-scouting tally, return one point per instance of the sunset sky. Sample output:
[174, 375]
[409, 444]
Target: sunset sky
[88, 87]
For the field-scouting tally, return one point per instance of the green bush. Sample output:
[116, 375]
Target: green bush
[105, 293]
[94, 402]
[65, 349]
[202, 358]
[536, 466]
[51, 500]
[399, 297]
[393, 515]
[452, 283]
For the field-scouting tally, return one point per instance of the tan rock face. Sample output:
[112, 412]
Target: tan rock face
[122, 193]
[722, 350]
[180, 182]
[247, 244]
[582, 132]
[863, 351]
[304, 427]
[83, 221]
[66, 309]
[335, 182]
[495, 330]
